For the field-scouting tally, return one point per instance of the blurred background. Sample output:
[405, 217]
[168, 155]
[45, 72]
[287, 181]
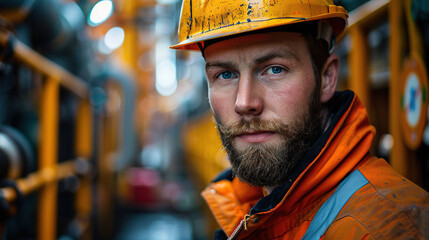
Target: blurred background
[106, 133]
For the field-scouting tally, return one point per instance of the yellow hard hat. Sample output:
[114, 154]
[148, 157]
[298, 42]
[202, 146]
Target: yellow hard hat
[203, 20]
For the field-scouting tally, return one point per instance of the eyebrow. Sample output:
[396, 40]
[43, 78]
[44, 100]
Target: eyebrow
[220, 65]
[282, 53]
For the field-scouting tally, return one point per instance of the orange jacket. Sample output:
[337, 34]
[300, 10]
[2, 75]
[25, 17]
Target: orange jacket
[339, 191]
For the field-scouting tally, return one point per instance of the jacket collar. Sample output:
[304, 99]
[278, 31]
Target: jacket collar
[348, 132]
[338, 105]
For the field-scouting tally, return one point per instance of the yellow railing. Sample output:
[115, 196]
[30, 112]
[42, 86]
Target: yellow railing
[361, 21]
[45, 179]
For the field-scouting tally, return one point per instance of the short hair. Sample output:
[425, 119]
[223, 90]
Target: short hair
[319, 53]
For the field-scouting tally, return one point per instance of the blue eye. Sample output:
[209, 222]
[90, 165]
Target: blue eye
[226, 75]
[275, 70]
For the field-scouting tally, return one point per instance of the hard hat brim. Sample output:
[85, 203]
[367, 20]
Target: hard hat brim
[337, 20]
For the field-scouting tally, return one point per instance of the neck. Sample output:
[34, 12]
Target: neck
[270, 189]
[326, 120]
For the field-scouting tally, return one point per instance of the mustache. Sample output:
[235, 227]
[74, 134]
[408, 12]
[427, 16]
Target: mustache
[254, 125]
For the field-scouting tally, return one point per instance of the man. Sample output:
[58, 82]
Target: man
[299, 150]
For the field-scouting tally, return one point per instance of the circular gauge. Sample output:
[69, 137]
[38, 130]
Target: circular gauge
[414, 102]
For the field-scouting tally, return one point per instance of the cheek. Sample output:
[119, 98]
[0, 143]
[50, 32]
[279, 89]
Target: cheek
[291, 101]
[296, 87]
[219, 103]
[288, 94]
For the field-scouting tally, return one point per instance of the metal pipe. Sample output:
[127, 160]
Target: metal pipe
[35, 180]
[399, 152]
[48, 150]
[368, 12]
[84, 149]
[48, 68]
[358, 61]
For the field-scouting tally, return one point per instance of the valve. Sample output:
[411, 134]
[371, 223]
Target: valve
[16, 154]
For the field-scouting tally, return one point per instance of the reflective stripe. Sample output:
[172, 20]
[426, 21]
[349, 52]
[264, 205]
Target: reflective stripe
[330, 209]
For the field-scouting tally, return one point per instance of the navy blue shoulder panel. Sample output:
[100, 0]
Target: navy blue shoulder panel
[220, 235]
[224, 175]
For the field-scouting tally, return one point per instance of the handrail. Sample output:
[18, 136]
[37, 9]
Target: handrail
[35, 180]
[365, 14]
[45, 66]
[44, 181]
[361, 21]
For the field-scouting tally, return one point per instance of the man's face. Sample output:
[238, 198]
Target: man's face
[263, 94]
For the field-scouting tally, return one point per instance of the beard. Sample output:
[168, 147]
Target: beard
[263, 164]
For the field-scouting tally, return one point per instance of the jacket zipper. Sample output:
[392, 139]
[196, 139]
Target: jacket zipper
[240, 226]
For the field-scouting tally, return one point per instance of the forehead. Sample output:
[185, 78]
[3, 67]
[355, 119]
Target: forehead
[292, 42]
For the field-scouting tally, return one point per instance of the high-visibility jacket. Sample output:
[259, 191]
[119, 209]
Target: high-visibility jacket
[338, 191]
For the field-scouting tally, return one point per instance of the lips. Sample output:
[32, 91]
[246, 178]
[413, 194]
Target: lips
[255, 136]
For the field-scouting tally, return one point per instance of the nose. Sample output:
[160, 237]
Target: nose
[248, 100]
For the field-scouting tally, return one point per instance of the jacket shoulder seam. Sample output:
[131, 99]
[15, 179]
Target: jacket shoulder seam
[396, 205]
[407, 218]
[355, 220]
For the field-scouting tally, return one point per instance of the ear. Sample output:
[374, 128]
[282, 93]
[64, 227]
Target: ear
[329, 78]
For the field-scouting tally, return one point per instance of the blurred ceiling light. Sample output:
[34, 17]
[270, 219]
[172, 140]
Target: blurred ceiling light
[166, 82]
[114, 38]
[100, 12]
[386, 144]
